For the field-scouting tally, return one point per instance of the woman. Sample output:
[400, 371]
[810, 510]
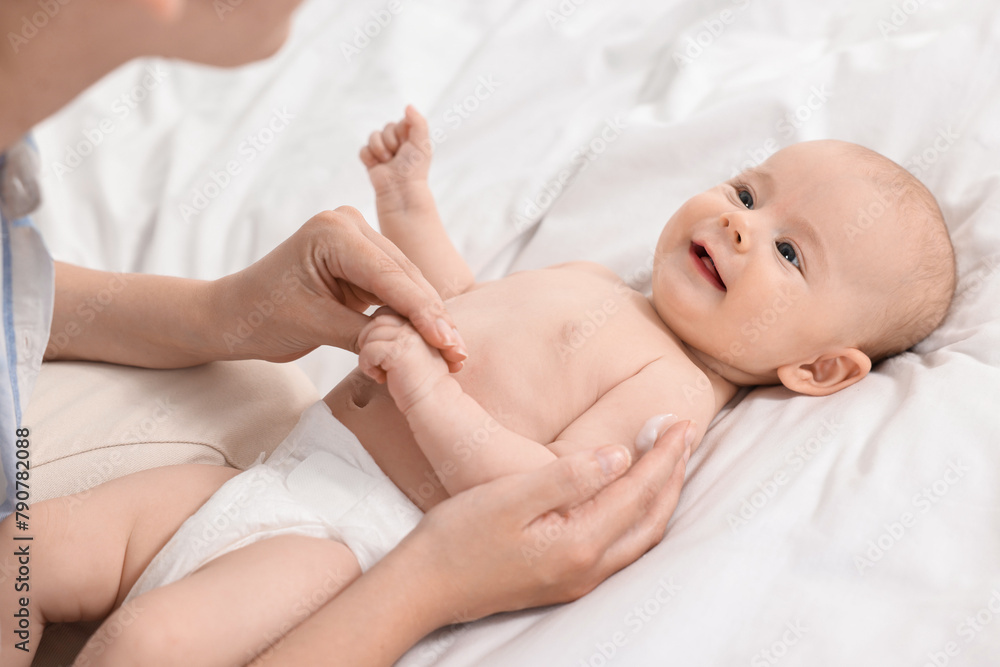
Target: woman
[162, 322]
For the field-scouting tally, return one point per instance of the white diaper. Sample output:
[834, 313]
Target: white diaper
[319, 482]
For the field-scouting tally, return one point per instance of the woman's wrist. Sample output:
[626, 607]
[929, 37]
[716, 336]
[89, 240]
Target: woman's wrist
[225, 333]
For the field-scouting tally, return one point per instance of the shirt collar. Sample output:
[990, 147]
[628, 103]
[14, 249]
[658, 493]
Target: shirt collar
[19, 170]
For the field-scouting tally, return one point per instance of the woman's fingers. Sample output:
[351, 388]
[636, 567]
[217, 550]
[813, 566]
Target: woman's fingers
[577, 478]
[625, 517]
[648, 531]
[399, 284]
[358, 255]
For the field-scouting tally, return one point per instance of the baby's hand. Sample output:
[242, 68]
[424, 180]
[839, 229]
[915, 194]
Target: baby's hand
[400, 154]
[393, 352]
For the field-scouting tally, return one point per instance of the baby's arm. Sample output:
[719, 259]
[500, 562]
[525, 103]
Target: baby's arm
[398, 160]
[466, 446]
[464, 443]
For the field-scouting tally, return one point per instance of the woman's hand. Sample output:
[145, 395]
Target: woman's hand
[312, 290]
[552, 535]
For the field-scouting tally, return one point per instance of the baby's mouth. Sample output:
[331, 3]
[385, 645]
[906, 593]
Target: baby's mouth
[706, 265]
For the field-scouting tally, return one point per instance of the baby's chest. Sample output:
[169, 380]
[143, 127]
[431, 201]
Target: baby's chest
[545, 347]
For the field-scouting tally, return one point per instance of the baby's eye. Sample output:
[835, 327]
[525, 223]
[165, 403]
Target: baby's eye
[787, 251]
[746, 198]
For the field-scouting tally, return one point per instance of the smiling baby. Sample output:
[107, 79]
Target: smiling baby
[803, 271]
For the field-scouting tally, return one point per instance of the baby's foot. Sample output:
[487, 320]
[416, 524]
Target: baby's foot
[393, 352]
[399, 156]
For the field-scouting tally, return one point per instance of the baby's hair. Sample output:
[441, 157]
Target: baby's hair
[920, 300]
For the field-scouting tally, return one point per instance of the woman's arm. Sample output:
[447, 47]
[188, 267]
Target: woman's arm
[491, 549]
[310, 291]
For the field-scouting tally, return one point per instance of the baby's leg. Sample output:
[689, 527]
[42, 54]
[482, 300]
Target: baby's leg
[88, 549]
[231, 609]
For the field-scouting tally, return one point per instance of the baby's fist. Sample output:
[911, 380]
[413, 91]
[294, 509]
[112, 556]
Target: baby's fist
[399, 152]
[393, 352]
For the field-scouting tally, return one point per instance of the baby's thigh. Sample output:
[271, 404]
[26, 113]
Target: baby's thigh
[229, 610]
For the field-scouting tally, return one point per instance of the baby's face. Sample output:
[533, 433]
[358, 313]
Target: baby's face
[776, 265]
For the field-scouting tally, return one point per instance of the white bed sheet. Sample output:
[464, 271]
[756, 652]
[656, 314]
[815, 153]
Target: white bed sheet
[862, 528]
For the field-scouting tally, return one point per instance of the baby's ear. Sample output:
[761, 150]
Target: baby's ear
[828, 373]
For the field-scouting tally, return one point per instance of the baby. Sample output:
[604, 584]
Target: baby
[803, 271]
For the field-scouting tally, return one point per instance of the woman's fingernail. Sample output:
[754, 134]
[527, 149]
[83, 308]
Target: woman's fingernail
[613, 459]
[651, 430]
[446, 332]
[687, 454]
[690, 433]
[460, 344]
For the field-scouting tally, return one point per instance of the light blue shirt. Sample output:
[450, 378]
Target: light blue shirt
[27, 283]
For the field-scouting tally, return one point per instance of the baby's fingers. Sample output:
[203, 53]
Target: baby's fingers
[390, 137]
[419, 133]
[377, 147]
[377, 357]
[368, 158]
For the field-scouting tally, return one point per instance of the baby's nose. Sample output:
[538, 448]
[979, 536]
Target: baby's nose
[736, 226]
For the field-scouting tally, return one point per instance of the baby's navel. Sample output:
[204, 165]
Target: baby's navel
[362, 388]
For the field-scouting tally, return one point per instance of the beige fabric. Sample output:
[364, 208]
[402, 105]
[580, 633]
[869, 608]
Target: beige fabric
[93, 422]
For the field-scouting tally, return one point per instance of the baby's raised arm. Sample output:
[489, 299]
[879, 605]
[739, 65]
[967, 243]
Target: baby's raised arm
[465, 445]
[398, 159]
